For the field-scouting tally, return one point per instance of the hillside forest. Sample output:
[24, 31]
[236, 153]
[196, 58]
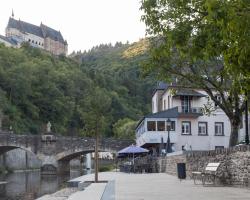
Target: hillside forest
[37, 87]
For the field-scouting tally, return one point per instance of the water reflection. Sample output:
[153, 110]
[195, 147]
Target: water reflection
[31, 185]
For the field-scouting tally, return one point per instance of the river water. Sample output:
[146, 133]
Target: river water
[31, 185]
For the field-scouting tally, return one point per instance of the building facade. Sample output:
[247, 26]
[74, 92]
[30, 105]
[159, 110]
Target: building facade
[191, 127]
[42, 36]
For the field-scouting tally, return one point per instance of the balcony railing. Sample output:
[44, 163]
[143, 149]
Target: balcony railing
[195, 111]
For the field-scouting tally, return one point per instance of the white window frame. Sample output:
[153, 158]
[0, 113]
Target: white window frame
[186, 128]
[202, 128]
[219, 131]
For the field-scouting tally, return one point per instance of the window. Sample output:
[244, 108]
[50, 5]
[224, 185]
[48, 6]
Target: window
[219, 147]
[185, 104]
[172, 126]
[219, 128]
[151, 126]
[186, 128]
[164, 104]
[29, 40]
[161, 125]
[202, 128]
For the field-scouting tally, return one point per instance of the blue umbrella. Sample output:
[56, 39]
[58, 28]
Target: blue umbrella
[132, 150]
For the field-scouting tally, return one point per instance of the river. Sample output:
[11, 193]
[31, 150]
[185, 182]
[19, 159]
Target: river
[31, 185]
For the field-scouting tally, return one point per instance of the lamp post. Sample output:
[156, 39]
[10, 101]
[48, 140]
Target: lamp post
[246, 119]
[169, 149]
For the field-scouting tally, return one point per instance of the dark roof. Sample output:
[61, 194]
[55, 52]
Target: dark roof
[188, 92]
[161, 86]
[51, 33]
[170, 113]
[25, 27]
[4, 38]
[41, 31]
[11, 41]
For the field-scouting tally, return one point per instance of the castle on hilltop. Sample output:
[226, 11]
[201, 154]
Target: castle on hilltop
[42, 36]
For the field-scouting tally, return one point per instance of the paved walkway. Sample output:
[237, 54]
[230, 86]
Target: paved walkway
[165, 187]
[93, 192]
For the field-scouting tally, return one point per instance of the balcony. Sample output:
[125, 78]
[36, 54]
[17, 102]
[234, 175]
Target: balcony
[191, 112]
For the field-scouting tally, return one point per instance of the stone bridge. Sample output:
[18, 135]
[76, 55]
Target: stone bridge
[57, 151]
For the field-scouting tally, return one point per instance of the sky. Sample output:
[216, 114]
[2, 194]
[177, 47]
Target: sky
[83, 23]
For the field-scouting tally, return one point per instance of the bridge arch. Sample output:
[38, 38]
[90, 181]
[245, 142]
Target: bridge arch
[58, 151]
[6, 148]
[69, 155]
[19, 157]
[64, 158]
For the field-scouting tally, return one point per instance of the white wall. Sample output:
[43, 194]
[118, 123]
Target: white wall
[208, 142]
[154, 103]
[155, 136]
[34, 38]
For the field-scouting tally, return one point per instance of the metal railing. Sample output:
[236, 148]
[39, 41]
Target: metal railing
[190, 110]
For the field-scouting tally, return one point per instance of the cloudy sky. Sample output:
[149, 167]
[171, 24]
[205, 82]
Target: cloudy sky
[83, 23]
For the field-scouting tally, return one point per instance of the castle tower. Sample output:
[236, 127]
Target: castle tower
[12, 14]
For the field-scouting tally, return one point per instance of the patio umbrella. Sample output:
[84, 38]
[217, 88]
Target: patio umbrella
[132, 150]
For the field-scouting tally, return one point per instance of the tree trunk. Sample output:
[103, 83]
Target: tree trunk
[235, 124]
[96, 157]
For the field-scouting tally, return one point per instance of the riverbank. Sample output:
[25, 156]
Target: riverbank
[31, 185]
[156, 186]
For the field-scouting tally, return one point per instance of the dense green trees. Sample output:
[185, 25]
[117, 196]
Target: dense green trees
[125, 128]
[36, 87]
[117, 70]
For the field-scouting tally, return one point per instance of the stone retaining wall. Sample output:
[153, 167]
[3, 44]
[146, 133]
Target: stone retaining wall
[234, 168]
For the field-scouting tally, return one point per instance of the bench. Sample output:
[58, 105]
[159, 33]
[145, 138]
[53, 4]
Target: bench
[209, 174]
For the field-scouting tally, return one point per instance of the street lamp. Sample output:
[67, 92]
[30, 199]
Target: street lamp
[169, 149]
[246, 119]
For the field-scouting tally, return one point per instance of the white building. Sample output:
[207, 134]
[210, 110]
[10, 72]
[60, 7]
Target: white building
[191, 129]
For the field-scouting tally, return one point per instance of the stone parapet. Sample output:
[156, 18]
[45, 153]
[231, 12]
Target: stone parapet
[234, 168]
